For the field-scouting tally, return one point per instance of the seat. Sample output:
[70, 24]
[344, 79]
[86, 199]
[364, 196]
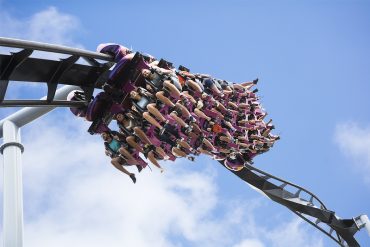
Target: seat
[141, 104]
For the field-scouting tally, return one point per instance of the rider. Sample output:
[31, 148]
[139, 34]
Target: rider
[112, 147]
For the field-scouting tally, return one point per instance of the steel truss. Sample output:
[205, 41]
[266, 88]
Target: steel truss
[305, 204]
[19, 66]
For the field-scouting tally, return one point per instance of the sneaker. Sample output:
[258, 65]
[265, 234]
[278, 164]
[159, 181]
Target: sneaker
[133, 178]
[139, 168]
[161, 131]
[255, 81]
[191, 158]
[255, 90]
[166, 157]
[192, 119]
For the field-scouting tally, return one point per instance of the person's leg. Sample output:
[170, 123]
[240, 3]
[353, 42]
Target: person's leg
[225, 139]
[242, 138]
[244, 145]
[220, 106]
[270, 121]
[115, 162]
[153, 110]
[151, 120]
[132, 142]
[161, 152]
[204, 151]
[223, 150]
[178, 120]
[130, 159]
[219, 114]
[194, 86]
[154, 160]
[184, 144]
[240, 86]
[232, 104]
[215, 90]
[183, 109]
[177, 152]
[208, 144]
[195, 127]
[143, 137]
[173, 89]
[164, 99]
[244, 105]
[189, 97]
[199, 113]
[228, 124]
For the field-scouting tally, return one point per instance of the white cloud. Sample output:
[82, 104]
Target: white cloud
[250, 243]
[73, 196]
[49, 25]
[293, 234]
[354, 142]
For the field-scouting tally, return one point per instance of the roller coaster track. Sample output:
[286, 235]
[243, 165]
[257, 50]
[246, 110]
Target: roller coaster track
[19, 66]
[305, 204]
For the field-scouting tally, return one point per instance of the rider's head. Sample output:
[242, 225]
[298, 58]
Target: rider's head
[146, 73]
[135, 95]
[106, 135]
[120, 116]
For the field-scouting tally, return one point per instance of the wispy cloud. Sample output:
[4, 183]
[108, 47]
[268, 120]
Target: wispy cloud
[49, 25]
[354, 142]
[73, 196]
[250, 243]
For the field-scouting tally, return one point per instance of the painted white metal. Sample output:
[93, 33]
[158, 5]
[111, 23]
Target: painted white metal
[13, 191]
[366, 221]
[28, 114]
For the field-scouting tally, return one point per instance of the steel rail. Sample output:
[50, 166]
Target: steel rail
[42, 103]
[33, 45]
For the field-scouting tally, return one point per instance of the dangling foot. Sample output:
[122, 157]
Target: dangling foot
[255, 81]
[191, 158]
[161, 131]
[139, 168]
[133, 178]
[192, 119]
[166, 157]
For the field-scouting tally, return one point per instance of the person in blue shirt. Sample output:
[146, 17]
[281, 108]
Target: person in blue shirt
[112, 147]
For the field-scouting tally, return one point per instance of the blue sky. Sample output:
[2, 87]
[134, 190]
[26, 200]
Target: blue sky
[312, 59]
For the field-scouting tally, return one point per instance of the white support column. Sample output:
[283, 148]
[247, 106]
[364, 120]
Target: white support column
[13, 191]
[366, 223]
[11, 150]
